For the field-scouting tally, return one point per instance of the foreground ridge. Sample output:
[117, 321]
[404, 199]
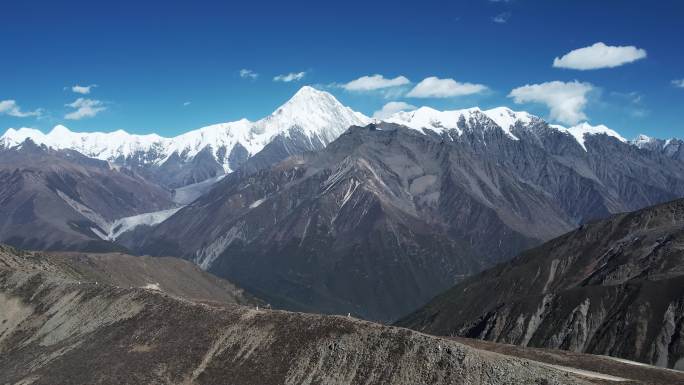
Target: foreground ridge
[62, 330]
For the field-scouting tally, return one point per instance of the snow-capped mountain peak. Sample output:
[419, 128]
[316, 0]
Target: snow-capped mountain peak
[316, 114]
[642, 139]
[580, 132]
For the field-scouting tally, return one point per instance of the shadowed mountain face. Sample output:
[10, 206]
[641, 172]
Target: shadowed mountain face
[62, 200]
[614, 287]
[386, 217]
[58, 326]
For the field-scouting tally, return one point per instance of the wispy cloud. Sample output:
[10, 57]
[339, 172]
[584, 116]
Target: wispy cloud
[629, 102]
[434, 87]
[185, 104]
[678, 83]
[501, 18]
[11, 108]
[391, 108]
[566, 101]
[598, 56]
[83, 90]
[291, 77]
[84, 108]
[375, 82]
[248, 74]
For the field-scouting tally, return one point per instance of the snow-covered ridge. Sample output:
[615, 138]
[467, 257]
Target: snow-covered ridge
[315, 113]
[438, 121]
[505, 118]
[647, 142]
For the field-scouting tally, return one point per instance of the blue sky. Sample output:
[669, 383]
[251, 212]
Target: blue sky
[148, 59]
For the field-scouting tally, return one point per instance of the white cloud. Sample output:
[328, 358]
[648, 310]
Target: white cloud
[391, 108]
[185, 104]
[566, 101]
[83, 90]
[291, 77]
[248, 74]
[374, 82]
[678, 83]
[501, 18]
[11, 108]
[85, 108]
[434, 87]
[598, 56]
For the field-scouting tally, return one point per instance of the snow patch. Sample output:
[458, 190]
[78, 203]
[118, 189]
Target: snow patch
[188, 194]
[256, 203]
[152, 286]
[206, 256]
[350, 191]
[585, 373]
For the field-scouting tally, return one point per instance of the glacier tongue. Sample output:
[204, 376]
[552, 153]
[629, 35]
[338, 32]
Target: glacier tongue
[126, 224]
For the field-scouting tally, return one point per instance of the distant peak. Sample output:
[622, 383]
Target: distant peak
[59, 130]
[309, 100]
[584, 129]
[426, 110]
[307, 90]
[308, 94]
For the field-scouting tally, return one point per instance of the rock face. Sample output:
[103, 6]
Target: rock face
[57, 330]
[62, 200]
[614, 287]
[386, 216]
[308, 121]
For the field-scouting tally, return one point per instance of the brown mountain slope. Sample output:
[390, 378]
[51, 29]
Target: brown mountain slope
[57, 330]
[386, 217]
[172, 276]
[614, 287]
[62, 200]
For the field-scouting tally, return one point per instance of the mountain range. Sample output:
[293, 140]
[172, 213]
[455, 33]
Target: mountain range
[403, 213]
[318, 208]
[308, 121]
[323, 211]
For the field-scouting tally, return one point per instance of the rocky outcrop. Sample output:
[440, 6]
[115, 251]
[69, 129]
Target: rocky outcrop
[614, 287]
